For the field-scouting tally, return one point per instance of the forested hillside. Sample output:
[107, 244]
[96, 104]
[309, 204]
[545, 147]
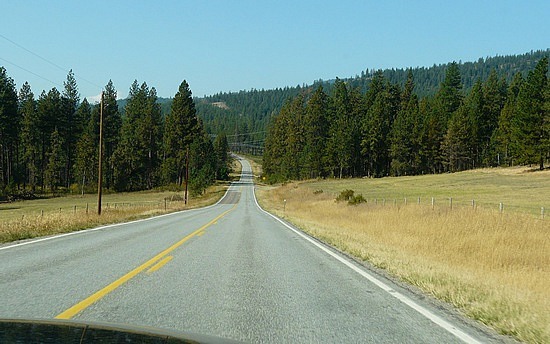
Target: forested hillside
[245, 115]
[390, 130]
[50, 143]
[393, 122]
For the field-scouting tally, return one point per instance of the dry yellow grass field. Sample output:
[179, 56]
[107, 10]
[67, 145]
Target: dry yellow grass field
[30, 219]
[494, 267]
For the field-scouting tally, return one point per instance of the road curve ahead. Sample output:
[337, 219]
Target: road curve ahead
[229, 270]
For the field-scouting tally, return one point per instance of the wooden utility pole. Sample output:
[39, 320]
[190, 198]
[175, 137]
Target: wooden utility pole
[100, 160]
[186, 173]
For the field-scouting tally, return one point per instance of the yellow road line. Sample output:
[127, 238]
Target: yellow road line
[160, 264]
[98, 295]
[200, 233]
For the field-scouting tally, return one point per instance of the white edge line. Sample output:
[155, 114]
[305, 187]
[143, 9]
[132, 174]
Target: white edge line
[108, 226]
[406, 300]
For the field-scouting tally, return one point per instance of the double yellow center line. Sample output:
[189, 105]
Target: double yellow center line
[154, 263]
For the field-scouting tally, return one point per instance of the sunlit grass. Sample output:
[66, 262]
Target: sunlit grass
[29, 219]
[494, 266]
[517, 188]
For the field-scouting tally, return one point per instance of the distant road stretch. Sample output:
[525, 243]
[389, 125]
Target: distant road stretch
[230, 270]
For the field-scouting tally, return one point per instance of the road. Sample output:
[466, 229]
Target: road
[229, 270]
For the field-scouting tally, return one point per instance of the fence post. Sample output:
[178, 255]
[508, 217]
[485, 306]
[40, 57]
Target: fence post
[405, 200]
[473, 204]
[418, 200]
[86, 208]
[433, 201]
[42, 213]
[501, 207]
[451, 203]
[165, 204]
[75, 209]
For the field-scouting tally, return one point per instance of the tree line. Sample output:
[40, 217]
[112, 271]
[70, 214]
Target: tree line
[245, 115]
[50, 143]
[390, 130]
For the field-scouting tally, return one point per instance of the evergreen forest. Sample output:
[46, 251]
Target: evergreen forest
[444, 118]
[245, 115]
[49, 144]
[390, 130]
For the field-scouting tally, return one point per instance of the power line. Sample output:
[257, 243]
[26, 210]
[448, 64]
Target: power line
[33, 73]
[247, 142]
[244, 134]
[45, 60]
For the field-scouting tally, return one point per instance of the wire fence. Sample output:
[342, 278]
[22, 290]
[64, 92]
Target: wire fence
[449, 203]
[91, 208]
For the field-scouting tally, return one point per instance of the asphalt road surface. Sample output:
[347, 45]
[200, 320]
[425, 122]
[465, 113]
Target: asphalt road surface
[229, 270]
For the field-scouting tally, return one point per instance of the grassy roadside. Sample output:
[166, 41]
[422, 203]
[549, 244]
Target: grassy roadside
[30, 219]
[494, 267]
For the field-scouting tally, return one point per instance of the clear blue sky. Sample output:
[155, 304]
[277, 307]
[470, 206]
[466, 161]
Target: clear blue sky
[233, 45]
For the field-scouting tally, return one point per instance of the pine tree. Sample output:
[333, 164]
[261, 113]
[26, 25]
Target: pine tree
[274, 160]
[179, 132]
[494, 96]
[480, 125]
[376, 140]
[112, 125]
[358, 108]
[530, 122]
[151, 129]
[49, 108]
[340, 134]
[202, 161]
[545, 144]
[9, 129]
[69, 128]
[447, 101]
[450, 92]
[430, 137]
[87, 147]
[404, 131]
[316, 131]
[55, 165]
[503, 142]
[137, 155]
[459, 143]
[29, 136]
[221, 149]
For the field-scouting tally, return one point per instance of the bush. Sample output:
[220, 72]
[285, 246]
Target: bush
[350, 197]
[358, 199]
[345, 195]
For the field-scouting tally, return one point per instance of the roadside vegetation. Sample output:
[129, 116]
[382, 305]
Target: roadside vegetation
[494, 266]
[50, 144]
[40, 217]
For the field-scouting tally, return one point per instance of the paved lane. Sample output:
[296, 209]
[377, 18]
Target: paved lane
[238, 273]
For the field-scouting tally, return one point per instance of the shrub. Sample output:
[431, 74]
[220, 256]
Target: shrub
[358, 199]
[345, 195]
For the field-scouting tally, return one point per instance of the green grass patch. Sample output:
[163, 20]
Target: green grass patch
[517, 189]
